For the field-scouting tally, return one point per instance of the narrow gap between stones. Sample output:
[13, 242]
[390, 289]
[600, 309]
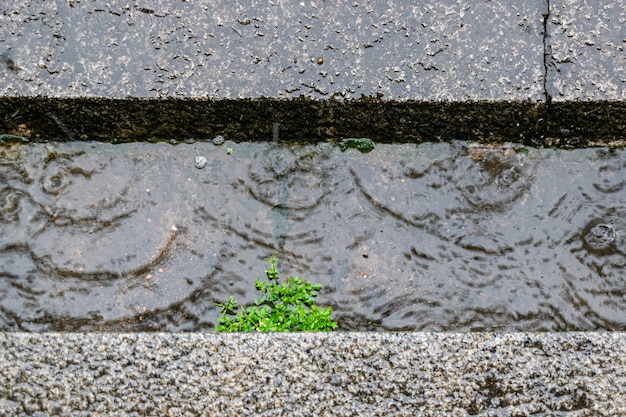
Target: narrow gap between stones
[547, 53]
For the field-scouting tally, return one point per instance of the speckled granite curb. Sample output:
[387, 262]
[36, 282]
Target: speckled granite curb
[339, 374]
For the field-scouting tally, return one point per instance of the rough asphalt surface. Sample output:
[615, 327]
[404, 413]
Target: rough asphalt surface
[369, 374]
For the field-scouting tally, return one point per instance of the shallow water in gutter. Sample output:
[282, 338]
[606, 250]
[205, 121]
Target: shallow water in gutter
[446, 236]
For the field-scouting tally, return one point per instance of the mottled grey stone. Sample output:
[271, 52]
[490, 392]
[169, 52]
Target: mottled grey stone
[587, 41]
[374, 374]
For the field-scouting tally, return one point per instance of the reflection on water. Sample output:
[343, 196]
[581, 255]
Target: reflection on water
[430, 237]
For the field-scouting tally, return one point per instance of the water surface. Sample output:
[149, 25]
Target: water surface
[455, 237]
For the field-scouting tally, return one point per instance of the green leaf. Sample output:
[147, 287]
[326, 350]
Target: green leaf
[289, 306]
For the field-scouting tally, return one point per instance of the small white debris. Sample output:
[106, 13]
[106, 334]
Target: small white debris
[200, 162]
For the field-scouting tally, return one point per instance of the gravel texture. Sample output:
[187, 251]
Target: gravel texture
[339, 374]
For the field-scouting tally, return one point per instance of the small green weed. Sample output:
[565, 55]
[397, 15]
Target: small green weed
[287, 307]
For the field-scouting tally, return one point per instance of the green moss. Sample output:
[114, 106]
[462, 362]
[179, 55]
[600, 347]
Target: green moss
[361, 144]
[5, 138]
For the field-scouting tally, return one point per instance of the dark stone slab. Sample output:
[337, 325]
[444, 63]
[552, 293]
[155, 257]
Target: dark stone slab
[395, 50]
[301, 119]
[573, 124]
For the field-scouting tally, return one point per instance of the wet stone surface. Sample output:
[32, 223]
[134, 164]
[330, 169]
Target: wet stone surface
[427, 51]
[397, 72]
[587, 42]
[452, 236]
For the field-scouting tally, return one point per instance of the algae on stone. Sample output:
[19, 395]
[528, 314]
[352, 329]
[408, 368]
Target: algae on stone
[363, 145]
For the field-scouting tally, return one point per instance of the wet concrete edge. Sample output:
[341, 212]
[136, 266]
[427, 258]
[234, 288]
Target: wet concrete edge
[256, 119]
[538, 72]
[566, 124]
[427, 374]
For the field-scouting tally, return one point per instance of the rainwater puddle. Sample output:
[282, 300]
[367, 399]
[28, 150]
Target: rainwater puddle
[433, 237]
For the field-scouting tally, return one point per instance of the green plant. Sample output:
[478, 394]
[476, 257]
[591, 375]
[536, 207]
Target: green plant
[286, 307]
[364, 145]
[6, 138]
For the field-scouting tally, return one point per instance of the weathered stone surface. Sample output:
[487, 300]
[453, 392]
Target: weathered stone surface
[586, 72]
[450, 60]
[390, 71]
[448, 51]
[573, 124]
[373, 374]
[587, 41]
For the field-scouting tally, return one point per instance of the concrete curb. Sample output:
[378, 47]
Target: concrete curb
[374, 374]
[532, 71]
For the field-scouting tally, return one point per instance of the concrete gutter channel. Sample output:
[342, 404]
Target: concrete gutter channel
[531, 71]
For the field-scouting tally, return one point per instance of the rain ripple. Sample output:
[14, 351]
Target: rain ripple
[407, 237]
